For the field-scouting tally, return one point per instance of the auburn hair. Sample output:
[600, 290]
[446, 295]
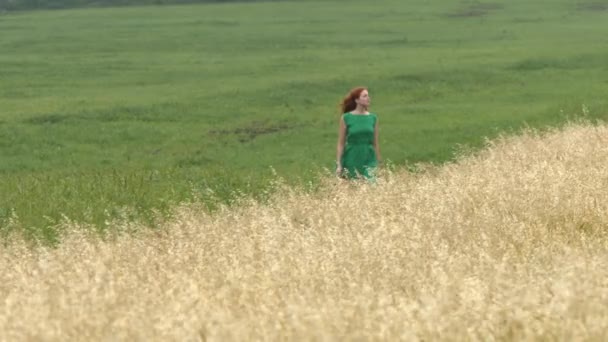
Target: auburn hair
[348, 103]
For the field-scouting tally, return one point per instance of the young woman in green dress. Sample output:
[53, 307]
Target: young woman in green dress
[358, 151]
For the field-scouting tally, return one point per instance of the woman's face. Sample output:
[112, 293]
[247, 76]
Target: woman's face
[364, 99]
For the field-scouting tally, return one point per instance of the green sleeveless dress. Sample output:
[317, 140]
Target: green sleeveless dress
[359, 156]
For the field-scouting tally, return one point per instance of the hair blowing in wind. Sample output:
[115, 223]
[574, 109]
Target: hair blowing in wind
[348, 102]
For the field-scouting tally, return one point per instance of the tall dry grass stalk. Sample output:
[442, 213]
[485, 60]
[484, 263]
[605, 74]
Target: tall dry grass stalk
[508, 244]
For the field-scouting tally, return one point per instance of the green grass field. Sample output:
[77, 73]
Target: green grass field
[123, 112]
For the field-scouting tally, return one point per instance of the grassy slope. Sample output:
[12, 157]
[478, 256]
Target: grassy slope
[508, 245]
[212, 95]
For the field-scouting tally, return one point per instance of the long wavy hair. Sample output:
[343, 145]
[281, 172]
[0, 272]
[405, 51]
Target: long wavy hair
[348, 103]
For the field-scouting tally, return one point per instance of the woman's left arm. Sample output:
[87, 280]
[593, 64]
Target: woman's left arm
[376, 142]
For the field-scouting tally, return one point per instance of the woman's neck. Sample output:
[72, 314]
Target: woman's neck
[360, 110]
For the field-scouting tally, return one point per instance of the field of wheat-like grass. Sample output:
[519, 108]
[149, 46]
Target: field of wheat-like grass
[510, 243]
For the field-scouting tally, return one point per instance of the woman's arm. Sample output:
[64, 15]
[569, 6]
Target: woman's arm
[376, 142]
[341, 142]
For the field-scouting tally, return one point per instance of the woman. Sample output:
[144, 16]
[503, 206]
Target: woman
[358, 152]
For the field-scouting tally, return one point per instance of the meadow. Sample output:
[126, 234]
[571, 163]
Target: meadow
[508, 244]
[123, 113]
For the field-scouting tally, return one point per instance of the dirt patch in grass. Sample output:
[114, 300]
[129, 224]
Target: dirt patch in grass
[46, 119]
[254, 129]
[594, 6]
[474, 10]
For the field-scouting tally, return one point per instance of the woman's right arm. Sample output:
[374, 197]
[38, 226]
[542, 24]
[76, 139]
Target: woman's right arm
[340, 147]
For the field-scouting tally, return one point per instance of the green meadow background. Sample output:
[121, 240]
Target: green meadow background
[122, 113]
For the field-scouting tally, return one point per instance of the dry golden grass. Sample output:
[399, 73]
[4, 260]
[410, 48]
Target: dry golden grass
[508, 244]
